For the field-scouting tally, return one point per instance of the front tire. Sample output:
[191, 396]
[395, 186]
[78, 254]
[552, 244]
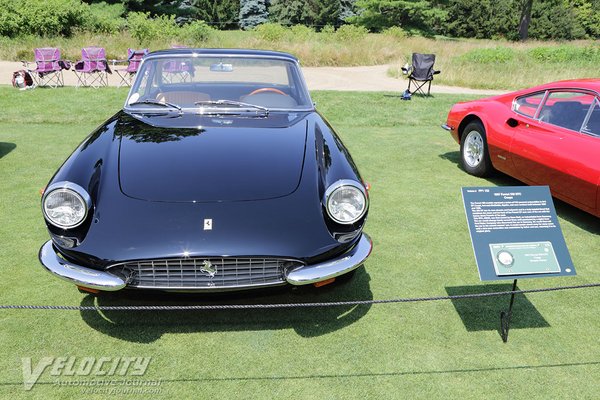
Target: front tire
[474, 154]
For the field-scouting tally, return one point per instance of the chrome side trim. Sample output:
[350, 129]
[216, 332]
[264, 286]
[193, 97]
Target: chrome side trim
[342, 264]
[76, 274]
[447, 127]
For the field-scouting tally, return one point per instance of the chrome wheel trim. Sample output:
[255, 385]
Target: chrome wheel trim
[473, 149]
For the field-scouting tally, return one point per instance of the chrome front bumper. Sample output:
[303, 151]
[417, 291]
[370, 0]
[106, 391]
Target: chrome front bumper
[305, 275]
[80, 276]
[340, 265]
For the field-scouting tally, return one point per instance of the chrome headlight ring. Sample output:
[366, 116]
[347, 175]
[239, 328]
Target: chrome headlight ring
[73, 196]
[346, 201]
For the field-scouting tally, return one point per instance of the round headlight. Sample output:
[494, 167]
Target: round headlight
[66, 206]
[346, 202]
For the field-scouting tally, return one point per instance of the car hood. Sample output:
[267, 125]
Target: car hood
[237, 160]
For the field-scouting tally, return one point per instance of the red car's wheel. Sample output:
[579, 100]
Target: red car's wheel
[475, 158]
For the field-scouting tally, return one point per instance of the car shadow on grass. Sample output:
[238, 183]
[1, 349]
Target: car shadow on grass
[149, 326]
[483, 313]
[566, 211]
[6, 148]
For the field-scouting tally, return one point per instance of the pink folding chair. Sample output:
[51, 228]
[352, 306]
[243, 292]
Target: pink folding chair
[92, 70]
[48, 67]
[178, 71]
[134, 59]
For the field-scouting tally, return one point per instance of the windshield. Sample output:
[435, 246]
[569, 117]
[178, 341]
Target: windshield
[217, 84]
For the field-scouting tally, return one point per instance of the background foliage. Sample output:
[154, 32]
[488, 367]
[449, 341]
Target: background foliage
[483, 19]
[252, 13]
[313, 13]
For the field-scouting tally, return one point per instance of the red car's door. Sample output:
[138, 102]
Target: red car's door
[557, 148]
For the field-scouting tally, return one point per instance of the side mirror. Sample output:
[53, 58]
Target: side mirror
[513, 123]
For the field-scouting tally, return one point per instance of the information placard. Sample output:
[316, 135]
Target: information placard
[515, 233]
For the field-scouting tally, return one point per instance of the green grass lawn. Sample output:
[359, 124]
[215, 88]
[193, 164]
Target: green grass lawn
[437, 350]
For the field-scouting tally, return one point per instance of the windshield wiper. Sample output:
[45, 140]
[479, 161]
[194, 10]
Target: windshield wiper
[157, 103]
[239, 104]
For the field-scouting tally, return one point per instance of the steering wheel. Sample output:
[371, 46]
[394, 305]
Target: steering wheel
[266, 89]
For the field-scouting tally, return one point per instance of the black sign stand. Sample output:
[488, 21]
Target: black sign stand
[506, 316]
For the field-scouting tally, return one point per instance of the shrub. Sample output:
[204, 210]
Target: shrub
[105, 18]
[328, 30]
[566, 54]
[196, 31]
[144, 29]
[396, 32]
[11, 21]
[270, 32]
[350, 33]
[42, 18]
[301, 32]
[494, 55]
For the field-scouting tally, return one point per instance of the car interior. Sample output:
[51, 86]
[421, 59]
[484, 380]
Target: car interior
[186, 95]
[593, 124]
[567, 114]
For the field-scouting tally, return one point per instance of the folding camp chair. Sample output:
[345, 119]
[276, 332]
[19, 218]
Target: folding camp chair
[420, 72]
[92, 70]
[48, 67]
[178, 71]
[134, 58]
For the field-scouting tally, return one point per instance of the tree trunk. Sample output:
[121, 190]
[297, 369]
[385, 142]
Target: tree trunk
[525, 19]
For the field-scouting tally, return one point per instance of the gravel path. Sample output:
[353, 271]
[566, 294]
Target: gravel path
[370, 78]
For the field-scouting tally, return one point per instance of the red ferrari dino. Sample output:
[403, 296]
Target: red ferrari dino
[546, 135]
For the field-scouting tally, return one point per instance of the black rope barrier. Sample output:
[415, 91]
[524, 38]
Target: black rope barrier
[288, 305]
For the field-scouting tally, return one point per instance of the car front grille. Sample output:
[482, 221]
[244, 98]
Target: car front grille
[204, 273]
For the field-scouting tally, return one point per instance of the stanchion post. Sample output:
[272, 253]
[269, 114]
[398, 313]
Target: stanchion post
[505, 316]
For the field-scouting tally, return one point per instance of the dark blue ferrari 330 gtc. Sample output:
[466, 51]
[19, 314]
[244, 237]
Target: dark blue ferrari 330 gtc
[218, 174]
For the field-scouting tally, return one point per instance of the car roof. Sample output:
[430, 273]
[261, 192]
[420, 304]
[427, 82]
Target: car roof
[590, 83]
[223, 53]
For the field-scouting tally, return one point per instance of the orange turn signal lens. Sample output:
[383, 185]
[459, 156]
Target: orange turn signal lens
[323, 283]
[89, 290]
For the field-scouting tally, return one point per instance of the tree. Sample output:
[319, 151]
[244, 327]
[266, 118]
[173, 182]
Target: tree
[482, 19]
[428, 16]
[517, 19]
[347, 9]
[310, 12]
[159, 7]
[526, 6]
[554, 19]
[252, 13]
[221, 14]
[291, 12]
[587, 14]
